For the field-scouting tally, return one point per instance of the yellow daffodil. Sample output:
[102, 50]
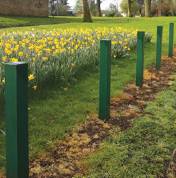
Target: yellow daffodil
[31, 77]
[20, 54]
[4, 58]
[14, 59]
[59, 47]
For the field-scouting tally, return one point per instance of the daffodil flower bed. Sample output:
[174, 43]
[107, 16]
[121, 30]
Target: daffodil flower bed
[58, 54]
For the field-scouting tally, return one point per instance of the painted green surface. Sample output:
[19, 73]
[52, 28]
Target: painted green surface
[159, 46]
[140, 59]
[171, 39]
[16, 76]
[105, 79]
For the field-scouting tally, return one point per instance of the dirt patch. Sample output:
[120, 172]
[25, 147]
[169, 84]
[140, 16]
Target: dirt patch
[63, 161]
[1, 175]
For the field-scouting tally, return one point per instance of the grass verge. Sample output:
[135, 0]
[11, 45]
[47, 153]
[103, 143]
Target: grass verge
[145, 149]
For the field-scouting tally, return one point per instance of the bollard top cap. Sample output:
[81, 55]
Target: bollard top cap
[15, 63]
[106, 40]
[141, 32]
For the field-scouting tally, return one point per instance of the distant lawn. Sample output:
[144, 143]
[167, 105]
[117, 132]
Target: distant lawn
[6, 21]
[56, 111]
[62, 21]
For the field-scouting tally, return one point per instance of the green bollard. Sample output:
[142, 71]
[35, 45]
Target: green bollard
[16, 111]
[159, 47]
[105, 79]
[140, 59]
[171, 39]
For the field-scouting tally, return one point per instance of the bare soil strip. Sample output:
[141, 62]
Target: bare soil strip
[64, 160]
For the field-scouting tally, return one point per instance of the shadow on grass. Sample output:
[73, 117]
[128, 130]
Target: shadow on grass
[8, 21]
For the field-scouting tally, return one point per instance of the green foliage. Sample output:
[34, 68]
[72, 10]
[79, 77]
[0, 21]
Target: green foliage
[135, 7]
[58, 8]
[78, 7]
[112, 11]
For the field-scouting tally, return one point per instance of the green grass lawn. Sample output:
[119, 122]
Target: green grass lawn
[55, 111]
[143, 150]
[7, 21]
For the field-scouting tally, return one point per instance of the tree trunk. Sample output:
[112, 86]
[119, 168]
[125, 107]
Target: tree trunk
[57, 10]
[172, 4]
[159, 8]
[86, 11]
[99, 8]
[129, 9]
[147, 8]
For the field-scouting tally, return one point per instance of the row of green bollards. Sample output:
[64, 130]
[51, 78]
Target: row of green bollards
[16, 99]
[105, 66]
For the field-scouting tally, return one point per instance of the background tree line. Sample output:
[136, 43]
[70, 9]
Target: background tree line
[130, 8]
[148, 7]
